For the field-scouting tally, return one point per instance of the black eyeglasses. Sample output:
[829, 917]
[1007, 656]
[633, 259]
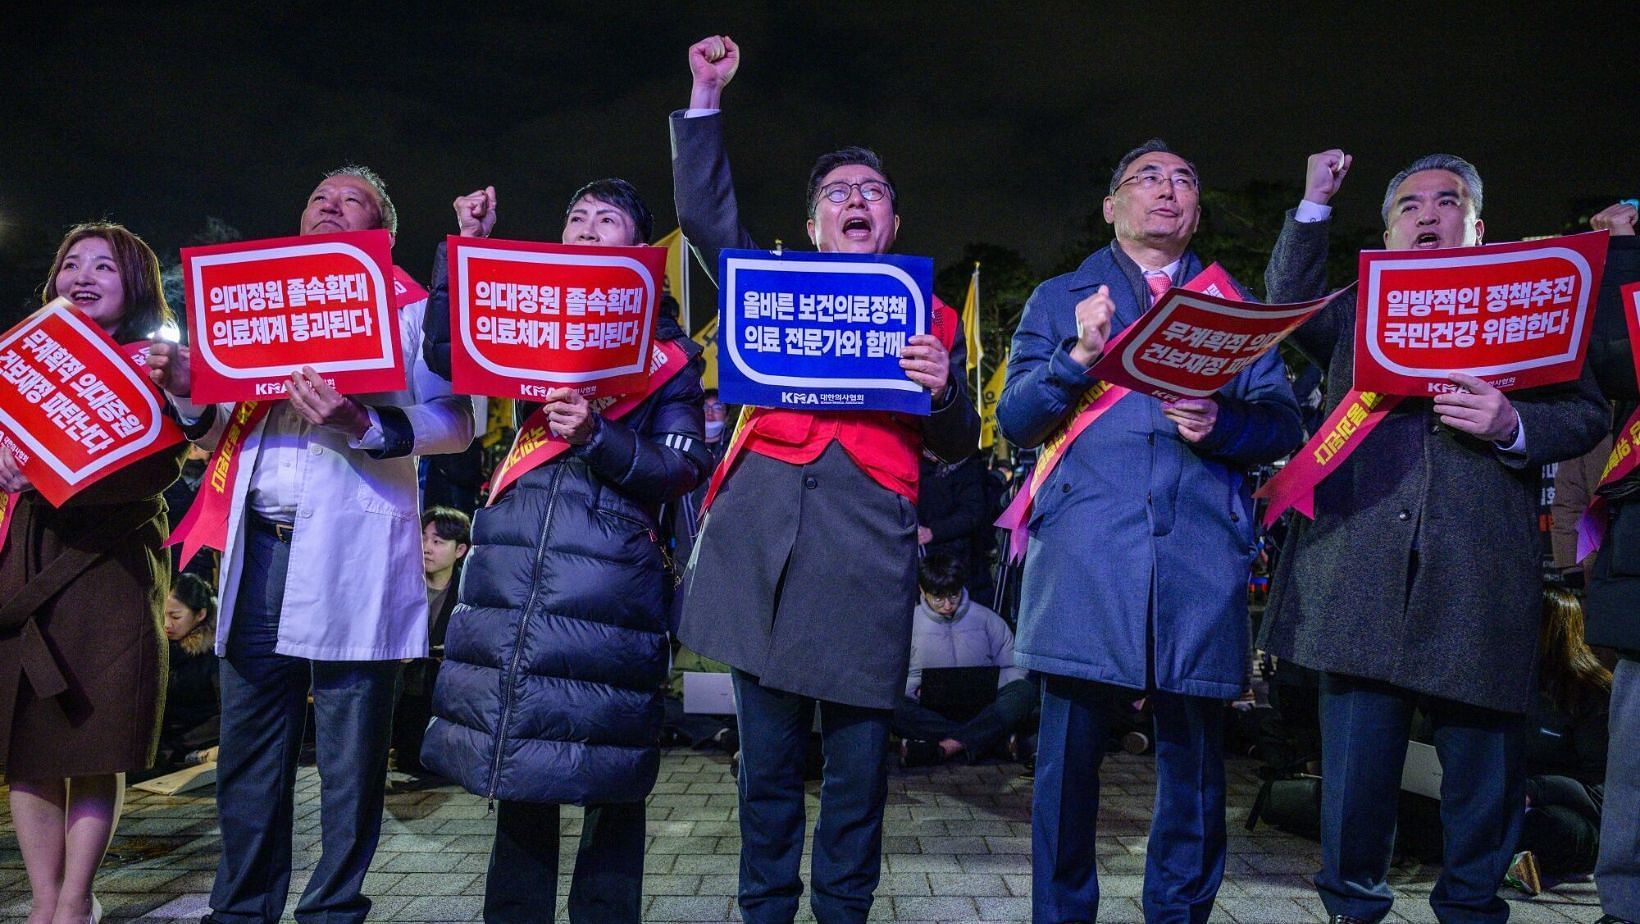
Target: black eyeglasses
[870, 190]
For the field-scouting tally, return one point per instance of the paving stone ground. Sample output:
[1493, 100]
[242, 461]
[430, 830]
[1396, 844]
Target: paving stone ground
[956, 849]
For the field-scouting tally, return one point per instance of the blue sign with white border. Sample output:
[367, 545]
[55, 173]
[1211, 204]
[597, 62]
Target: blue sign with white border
[821, 331]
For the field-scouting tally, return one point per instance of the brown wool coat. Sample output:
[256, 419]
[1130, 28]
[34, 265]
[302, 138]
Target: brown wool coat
[82, 647]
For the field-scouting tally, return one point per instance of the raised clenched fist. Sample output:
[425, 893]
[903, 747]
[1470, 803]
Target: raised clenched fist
[1324, 174]
[712, 64]
[1093, 316]
[475, 212]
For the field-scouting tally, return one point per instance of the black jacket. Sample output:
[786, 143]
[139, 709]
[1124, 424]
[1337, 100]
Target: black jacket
[556, 652]
[1612, 606]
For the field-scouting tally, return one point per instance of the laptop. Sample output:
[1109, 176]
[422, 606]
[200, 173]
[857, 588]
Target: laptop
[959, 693]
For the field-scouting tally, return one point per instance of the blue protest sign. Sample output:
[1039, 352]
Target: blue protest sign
[820, 331]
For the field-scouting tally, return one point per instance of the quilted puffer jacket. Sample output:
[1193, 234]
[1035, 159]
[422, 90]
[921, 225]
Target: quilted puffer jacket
[556, 652]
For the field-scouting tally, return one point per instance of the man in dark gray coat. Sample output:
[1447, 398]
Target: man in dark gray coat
[803, 578]
[1417, 584]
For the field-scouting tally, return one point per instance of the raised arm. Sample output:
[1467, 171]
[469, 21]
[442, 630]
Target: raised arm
[703, 189]
[475, 217]
[1298, 265]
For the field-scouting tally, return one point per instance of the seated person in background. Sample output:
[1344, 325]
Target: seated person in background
[193, 707]
[446, 534]
[950, 630]
[1566, 746]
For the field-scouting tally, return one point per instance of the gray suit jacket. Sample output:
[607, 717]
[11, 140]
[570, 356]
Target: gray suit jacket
[1421, 567]
[803, 576]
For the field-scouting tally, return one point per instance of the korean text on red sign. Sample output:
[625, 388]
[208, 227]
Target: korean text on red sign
[528, 317]
[74, 406]
[1196, 338]
[260, 310]
[1515, 315]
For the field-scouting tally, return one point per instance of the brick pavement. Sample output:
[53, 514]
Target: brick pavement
[956, 849]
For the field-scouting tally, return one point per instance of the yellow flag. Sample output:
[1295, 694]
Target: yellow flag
[970, 324]
[677, 253]
[988, 404]
[707, 338]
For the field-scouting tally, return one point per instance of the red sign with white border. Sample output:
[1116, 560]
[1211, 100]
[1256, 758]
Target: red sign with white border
[74, 405]
[527, 317]
[1196, 338]
[260, 310]
[1514, 315]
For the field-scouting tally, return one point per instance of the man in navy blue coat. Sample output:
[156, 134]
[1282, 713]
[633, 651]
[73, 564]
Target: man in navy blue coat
[1136, 572]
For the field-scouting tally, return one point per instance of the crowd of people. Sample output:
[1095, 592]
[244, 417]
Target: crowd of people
[838, 565]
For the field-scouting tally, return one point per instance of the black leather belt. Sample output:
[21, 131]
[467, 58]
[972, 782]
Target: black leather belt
[279, 531]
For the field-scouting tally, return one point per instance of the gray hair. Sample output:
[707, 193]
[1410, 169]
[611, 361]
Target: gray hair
[1153, 146]
[390, 215]
[1451, 163]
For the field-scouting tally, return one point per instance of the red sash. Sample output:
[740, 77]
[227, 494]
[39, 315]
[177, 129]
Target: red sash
[535, 445]
[206, 523]
[1095, 402]
[1624, 457]
[1345, 429]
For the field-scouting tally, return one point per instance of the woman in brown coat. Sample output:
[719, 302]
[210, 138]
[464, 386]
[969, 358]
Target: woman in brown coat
[82, 591]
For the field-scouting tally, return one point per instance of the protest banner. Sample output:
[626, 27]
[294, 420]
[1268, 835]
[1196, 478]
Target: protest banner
[821, 331]
[260, 310]
[527, 317]
[1195, 339]
[1514, 315]
[75, 406]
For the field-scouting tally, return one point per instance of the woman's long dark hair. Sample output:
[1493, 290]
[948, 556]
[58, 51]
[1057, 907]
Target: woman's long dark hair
[1567, 670]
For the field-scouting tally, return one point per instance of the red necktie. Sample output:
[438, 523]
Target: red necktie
[1159, 283]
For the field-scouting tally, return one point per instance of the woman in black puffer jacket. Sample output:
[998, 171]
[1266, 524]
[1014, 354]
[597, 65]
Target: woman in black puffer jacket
[555, 656]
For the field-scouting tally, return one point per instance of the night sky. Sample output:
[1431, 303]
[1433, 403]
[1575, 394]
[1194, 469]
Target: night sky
[999, 123]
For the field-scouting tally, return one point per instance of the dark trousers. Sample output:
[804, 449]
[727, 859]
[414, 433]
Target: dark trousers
[1564, 839]
[1184, 861]
[1617, 874]
[848, 839]
[1364, 729]
[607, 885]
[264, 705]
[988, 728]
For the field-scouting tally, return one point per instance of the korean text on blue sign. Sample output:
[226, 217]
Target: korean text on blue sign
[820, 331]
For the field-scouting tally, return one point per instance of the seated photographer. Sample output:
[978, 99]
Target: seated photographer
[951, 631]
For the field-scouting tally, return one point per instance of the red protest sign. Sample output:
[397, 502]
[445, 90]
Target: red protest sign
[1514, 315]
[1196, 338]
[74, 405]
[259, 310]
[1631, 316]
[526, 317]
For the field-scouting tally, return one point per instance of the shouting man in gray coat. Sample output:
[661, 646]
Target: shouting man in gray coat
[1136, 571]
[1417, 584]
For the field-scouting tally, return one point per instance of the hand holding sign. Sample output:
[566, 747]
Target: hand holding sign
[569, 416]
[475, 213]
[1194, 417]
[926, 362]
[1478, 410]
[12, 479]
[1618, 219]
[168, 368]
[1093, 316]
[1324, 175]
[323, 406]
